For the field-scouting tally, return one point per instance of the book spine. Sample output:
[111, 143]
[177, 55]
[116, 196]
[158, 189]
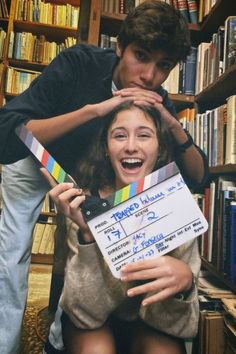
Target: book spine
[230, 42]
[181, 76]
[190, 72]
[183, 8]
[232, 212]
[121, 6]
[128, 5]
[193, 11]
[230, 154]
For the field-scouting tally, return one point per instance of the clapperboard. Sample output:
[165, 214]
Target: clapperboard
[145, 219]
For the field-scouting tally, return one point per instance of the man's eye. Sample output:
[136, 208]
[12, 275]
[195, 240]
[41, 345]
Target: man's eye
[140, 55]
[166, 65]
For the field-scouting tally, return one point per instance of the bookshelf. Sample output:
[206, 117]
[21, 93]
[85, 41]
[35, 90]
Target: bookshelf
[212, 96]
[58, 27]
[43, 31]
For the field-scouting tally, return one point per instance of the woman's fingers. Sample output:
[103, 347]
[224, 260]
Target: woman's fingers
[48, 177]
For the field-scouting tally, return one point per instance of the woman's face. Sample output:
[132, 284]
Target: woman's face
[132, 146]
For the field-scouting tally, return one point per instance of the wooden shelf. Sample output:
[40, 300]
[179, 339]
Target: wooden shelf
[218, 14]
[216, 93]
[113, 16]
[181, 101]
[42, 258]
[51, 32]
[222, 277]
[223, 169]
[28, 65]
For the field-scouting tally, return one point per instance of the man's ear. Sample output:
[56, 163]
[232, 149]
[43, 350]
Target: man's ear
[118, 49]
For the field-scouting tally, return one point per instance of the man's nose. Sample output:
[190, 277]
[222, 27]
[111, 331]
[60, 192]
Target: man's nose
[148, 73]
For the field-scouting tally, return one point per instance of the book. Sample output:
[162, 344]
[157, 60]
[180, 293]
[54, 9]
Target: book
[183, 8]
[215, 341]
[232, 241]
[49, 247]
[204, 240]
[211, 220]
[227, 192]
[200, 66]
[193, 11]
[190, 72]
[37, 237]
[230, 153]
[45, 239]
[228, 196]
[128, 5]
[230, 42]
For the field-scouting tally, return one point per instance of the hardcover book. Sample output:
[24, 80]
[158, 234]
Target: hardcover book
[230, 42]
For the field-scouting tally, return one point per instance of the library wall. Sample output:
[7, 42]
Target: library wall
[203, 90]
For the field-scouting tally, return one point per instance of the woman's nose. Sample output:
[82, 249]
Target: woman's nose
[131, 144]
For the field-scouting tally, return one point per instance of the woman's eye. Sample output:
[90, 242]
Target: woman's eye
[144, 135]
[120, 136]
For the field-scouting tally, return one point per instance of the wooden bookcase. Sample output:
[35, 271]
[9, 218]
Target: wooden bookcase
[52, 33]
[93, 22]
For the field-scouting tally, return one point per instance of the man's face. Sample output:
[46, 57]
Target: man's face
[139, 67]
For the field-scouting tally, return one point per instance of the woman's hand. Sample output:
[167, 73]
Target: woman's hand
[68, 200]
[166, 276]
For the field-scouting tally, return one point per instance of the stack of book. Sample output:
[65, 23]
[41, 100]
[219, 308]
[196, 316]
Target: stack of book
[212, 314]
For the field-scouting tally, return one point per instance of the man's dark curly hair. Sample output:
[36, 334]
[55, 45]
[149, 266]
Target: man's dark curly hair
[95, 172]
[155, 25]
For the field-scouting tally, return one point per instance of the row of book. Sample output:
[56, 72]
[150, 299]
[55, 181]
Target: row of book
[214, 131]
[206, 62]
[46, 12]
[119, 6]
[107, 41]
[217, 316]
[48, 205]
[205, 7]
[26, 46]
[216, 56]
[43, 238]
[182, 78]
[18, 80]
[4, 12]
[188, 8]
[2, 41]
[218, 244]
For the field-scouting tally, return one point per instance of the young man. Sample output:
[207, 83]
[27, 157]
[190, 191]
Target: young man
[64, 108]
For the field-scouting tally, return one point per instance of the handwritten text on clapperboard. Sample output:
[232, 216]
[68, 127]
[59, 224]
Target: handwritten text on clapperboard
[149, 224]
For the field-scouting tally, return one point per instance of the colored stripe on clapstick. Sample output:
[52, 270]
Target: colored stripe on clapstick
[143, 184]
[42, 155]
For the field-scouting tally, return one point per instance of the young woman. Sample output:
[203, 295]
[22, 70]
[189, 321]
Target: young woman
[154, 304]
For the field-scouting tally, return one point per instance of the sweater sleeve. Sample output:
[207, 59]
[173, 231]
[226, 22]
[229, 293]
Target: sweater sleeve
[174, 316]
[90, 291]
